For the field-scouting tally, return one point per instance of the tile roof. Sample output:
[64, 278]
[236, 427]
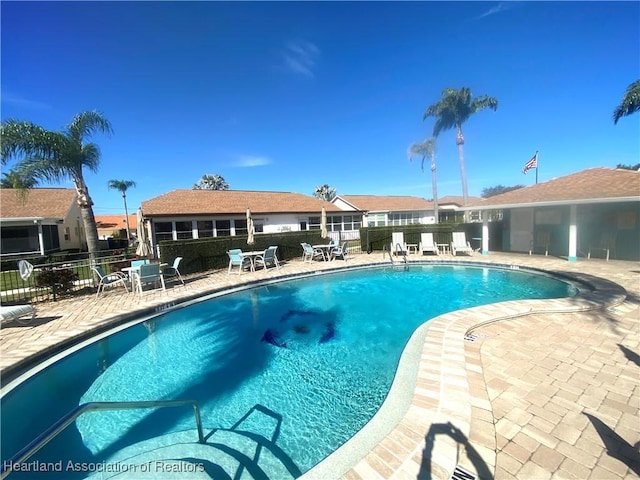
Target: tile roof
[220, 202]
[116, 222]
[378, 203]
[591, 184]
[38, 202]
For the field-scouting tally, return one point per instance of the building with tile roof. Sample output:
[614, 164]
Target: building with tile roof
[592, 211]
[379, 210]
[110, 226]
[185, 214]
[40, 221]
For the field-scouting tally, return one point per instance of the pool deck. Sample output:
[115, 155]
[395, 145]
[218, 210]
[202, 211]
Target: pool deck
[541, 389]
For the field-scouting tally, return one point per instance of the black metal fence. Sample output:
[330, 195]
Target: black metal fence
[55, 277]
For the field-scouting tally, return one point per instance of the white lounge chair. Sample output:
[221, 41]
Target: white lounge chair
[109, 280]
[541, 242]
[16, 312]
[427, 244]
[606, 244]
[268, 257]
[459, 244]
[398, 245]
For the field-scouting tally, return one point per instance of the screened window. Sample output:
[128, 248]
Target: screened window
[163, 231]
[223, 228]
[314, 223]
[241, 226]
[184, 230]
[205, 228]
[334, 224]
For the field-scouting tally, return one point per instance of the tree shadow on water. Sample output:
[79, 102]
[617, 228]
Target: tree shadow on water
[450, 430]
[617, 447]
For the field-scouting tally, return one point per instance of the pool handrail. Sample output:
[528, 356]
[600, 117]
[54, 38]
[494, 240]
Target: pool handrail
[66, 420]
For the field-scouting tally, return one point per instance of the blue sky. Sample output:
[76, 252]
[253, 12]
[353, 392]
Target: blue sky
[285, 96]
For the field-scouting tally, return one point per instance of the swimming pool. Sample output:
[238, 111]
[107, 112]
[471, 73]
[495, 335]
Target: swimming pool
[317, 355]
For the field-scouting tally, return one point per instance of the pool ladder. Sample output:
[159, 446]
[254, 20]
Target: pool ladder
[399, 249]
[51, 432]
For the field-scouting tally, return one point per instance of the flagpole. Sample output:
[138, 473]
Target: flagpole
[537, 166]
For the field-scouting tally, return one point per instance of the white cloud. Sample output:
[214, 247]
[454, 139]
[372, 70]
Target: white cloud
[500, 7]
[300, 57]
[244, 161]
[19, 101]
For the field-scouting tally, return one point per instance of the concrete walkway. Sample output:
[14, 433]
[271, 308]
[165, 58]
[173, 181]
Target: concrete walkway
[551, 391]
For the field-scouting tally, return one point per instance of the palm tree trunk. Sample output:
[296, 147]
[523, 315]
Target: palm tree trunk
[88, 219]
[463, 172]
[126, 216]
[434, 184]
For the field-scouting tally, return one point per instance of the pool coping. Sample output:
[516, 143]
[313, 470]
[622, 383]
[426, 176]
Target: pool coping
[440, 373]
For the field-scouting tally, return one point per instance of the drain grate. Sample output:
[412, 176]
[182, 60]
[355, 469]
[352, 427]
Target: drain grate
[463, 474]
[472, 337]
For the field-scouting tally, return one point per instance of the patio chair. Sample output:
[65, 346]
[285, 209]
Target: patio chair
[427, 244]
[268, 257]
[172, 271]
[237, 260]
[309, 253]
[16, 312]
[541, 242]
[607, 243]
[459, 244]
[109, 280]
[340, 251]
[398, 245]
[148, 273]
[137, 263]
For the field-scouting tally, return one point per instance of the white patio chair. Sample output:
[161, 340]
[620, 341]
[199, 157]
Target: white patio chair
[109, 280]
[459, 244]
[172, 271]
[309, 253]
[237, 260]
[148, 273]
[541, 242]
[427, 244]
[340, 251]
[268, 257]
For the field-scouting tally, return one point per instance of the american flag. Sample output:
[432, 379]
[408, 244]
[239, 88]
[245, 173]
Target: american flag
[533, 163]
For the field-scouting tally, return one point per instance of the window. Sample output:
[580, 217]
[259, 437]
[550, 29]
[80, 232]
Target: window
[404, 218]
[351, 222]
[334, 224]
[241, 226]
[378, 220]
[223, 228]
[205, 228]
[184, 230]
[314, 223]
[258, 227]
[67, 234]
[163, 231]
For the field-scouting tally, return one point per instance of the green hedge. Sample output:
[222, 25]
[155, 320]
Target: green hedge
[379, 238]
[201, 255]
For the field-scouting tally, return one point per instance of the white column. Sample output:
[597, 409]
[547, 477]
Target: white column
[485, 232]
[573, 233]
[40, 237]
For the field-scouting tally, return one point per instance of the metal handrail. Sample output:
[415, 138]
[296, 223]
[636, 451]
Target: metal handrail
[51, 432]
[401, 250]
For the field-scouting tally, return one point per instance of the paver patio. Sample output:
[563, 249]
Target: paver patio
[548, 394]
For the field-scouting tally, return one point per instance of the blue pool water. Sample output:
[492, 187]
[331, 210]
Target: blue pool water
[320, 353]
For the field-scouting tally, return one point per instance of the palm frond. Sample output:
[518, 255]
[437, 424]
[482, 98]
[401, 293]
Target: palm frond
[85, 124]
[630, 102]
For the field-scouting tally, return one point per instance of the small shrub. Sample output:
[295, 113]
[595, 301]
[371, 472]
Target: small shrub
[59, 279]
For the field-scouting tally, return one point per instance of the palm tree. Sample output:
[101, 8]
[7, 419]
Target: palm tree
[50, 156]
[427, 149]
[14, 179]
[455, 108]
[324, 192]
[630, 102]
[211, 182]
[122, 186]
